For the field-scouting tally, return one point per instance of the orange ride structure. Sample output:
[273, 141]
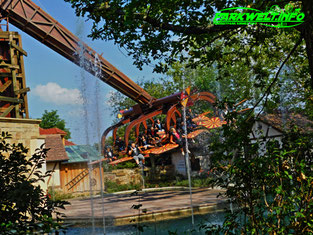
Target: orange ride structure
[31, 19]
[172, 113]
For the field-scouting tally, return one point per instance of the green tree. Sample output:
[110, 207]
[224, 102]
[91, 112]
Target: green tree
[268, 183]
[24, 207]
[52, 119]
[168, 31]
[240, 85]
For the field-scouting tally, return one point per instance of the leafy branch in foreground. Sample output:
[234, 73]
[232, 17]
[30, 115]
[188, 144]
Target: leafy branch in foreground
[24, 207]
[268, 181]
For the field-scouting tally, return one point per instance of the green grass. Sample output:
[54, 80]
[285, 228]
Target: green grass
[196, 182]
[58, 195]
[112, 187]
[164, 182]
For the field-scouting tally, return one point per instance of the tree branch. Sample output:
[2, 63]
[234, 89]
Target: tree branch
[188, 30]
[268, 90]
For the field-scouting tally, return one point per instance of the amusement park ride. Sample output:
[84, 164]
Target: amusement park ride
[27, 16]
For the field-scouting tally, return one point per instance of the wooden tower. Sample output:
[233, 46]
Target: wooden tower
[13, 90]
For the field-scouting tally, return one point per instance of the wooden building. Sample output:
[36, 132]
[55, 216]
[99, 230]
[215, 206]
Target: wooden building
[74, 173]
[69, 163]
[54, 140]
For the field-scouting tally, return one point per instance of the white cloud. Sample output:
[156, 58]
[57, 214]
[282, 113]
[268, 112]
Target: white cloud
[54, 93]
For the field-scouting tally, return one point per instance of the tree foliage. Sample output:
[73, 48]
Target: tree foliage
[52, 119]
[267, 181]
[168, 31]
[229, 84]
[24, 207]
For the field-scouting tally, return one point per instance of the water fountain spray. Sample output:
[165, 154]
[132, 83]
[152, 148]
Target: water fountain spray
[97, 69]
[83, 84]
[91, 198]
[82, 64]
[187, 156]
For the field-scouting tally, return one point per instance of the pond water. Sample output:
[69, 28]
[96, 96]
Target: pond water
[180, 226]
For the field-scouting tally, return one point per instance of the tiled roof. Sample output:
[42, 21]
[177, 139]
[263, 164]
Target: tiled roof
[51, 131]
[68, 143]
[57, 150]
[82, 153]
[282, 121]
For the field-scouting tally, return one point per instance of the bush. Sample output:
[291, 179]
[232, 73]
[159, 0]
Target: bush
[59, 195]
[112, 187]
[24, 207]
[195, 182]
[269, 182]
[179, 181]
[126, 165]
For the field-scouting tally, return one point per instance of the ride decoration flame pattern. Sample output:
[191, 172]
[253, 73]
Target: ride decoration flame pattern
[162, 149]
[211, 123]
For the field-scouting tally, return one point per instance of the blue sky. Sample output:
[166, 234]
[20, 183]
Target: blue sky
[57, 83]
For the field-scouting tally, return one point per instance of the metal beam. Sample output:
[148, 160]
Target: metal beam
[18, 48]
[12, 100]
[22, 91]
[137, 121]
[107, 131]
[5, 85]
[7, 111]
[30, 18]
[10, 66]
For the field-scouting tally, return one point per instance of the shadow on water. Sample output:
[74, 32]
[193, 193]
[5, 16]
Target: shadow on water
[180, 226]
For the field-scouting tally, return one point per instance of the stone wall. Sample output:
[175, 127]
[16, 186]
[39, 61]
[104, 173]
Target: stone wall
[124, 176]
[25, 131]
